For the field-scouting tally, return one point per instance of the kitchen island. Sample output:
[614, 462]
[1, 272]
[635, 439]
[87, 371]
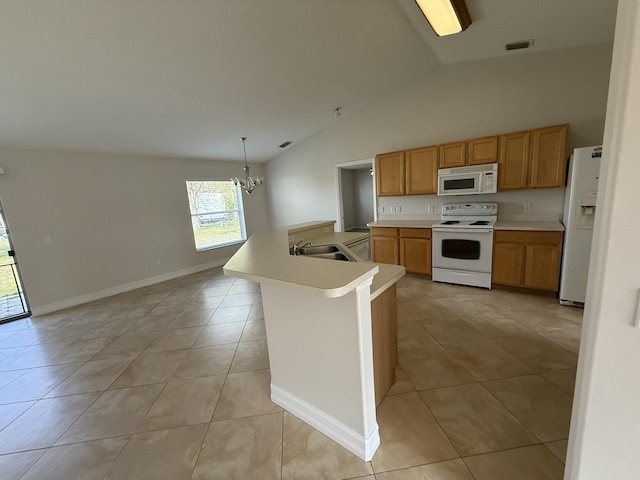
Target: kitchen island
[327, 323]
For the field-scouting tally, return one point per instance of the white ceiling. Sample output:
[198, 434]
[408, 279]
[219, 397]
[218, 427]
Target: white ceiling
[188, 78]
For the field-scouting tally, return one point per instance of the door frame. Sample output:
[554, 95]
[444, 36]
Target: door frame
[23, 296]
[354, 165]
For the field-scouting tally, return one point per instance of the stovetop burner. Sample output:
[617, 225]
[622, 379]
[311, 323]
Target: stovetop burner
[480, 216]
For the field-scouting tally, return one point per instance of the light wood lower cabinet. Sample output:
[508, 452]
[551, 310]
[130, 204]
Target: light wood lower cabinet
[528, 259]
[384, 245]
[385, 341]
[409, 247]
[415, 250]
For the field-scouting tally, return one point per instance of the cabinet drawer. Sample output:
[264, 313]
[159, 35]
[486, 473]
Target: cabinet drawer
[415, 232]
[528, 236]
[384, 232]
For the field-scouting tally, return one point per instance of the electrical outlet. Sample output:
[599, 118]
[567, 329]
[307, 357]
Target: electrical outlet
[430, 208]
[398, 208]
[160, 261]
[47, 239]
[526, 206]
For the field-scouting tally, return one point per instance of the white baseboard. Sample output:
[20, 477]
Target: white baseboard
[363, 447]
[127, 287]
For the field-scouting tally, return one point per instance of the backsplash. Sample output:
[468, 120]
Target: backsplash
[545, 205]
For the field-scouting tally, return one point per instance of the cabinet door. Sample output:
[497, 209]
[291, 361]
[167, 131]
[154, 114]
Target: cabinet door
[453, 155]
[421, 171]
[483, 150]
[549, 156]
[390, 174]
[415, 255]
[385, 250]
[385, 341]
[542, 267]
[508, 264]
[513, 163]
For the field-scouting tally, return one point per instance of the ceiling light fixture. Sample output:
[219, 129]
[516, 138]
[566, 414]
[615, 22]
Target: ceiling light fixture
[446, 17]
[249, 184]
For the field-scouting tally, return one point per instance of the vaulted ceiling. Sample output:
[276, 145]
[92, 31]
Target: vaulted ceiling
[188, 78]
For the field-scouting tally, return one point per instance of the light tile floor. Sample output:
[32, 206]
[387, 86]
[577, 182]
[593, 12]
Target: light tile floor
[172, 381]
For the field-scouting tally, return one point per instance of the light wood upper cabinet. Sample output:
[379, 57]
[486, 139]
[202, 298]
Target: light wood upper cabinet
[421, 167]
[533, 159]
[548, 156]
[513, 163]
[412, 172]
[528, 159]
[453, 155]
[483, 151]
[390, 174]
[529, 259]
[478, 151]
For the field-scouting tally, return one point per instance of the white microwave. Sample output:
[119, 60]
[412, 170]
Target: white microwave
[471, 180]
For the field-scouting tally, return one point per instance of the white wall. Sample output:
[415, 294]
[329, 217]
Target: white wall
[455, 102]
[605, 425]
[546, 204]
[110, 218]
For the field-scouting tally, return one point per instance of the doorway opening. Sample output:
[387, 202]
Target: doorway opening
[13, 300]
[356, 195]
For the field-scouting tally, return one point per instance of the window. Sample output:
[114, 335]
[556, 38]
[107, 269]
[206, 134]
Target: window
[217, 214]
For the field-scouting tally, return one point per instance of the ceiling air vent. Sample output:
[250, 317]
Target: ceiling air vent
[285, 144]
[518, 45]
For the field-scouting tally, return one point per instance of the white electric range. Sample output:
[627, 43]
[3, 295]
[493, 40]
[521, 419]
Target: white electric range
[462, 244]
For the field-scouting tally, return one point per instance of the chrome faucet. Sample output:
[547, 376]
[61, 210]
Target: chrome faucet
[296, 248]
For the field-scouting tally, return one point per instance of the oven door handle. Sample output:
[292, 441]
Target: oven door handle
[462, 230]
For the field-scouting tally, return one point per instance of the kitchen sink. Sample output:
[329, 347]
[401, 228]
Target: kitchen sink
[329, 252]
[331, 256]
[319, 249]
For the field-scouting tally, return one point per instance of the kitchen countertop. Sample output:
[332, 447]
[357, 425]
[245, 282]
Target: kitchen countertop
[542, 226]
[403, 223]
[265, 258]
[546, 226]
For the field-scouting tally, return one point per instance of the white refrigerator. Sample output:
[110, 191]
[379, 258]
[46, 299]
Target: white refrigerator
[579, 212]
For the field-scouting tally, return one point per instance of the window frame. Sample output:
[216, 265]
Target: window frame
[239, 211]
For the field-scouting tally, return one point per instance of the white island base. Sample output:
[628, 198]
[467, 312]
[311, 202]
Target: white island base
[318, 319]
[320, 351]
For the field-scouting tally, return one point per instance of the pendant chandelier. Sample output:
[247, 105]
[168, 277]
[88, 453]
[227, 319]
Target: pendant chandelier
[248, 184]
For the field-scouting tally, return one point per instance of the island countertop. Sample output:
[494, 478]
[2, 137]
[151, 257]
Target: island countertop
[265, 258]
